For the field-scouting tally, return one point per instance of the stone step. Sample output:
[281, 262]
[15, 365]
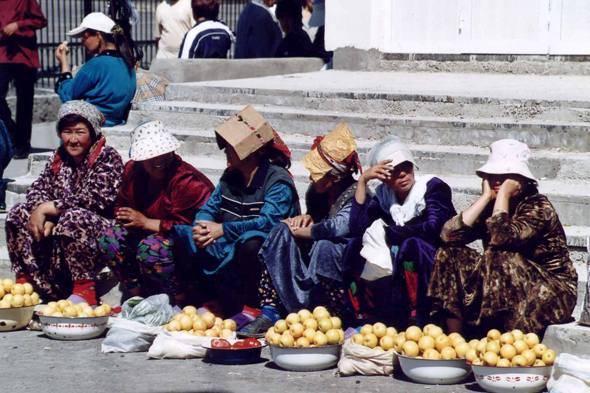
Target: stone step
[461, 160]
[422, 130]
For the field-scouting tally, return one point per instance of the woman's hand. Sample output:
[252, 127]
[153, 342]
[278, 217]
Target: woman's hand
[61, 53]
[302, 221]
[48, 228]
[486, 190]
[10, 29]
[36, 223]
[131, 218]
[205, 233]
[381, 171]
[510, 188]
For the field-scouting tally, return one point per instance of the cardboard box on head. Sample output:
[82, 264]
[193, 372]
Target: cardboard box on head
[246, 132]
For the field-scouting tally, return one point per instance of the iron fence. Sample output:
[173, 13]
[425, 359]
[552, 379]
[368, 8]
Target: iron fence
[64, 15]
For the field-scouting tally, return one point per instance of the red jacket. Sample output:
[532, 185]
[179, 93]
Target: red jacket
[21, 47]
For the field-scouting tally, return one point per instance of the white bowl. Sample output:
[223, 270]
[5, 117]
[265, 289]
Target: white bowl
[306, 359]
[70, 329]
[15, 318]
[512, 379]
[434, 372]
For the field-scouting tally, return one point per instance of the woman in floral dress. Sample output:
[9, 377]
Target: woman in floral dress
[159, 191]
[525, 278]
[53, 237]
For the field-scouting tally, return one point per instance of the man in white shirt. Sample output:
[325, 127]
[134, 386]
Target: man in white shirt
[174, 18]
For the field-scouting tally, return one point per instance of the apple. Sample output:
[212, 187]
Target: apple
[292, 319]
[2, 293]
[519, 361]
[28, 300]
[218, 322]
[320, 339]
[371, 340]
[321, 314]
[462, 349]
[8, 298]
[7, 283]
[325, 324]
[378, 349]
[302, 342]
[490, 359]
[431, 354]
[318, 310]
[425, 342]
[473, 343]
[531, 339]
[520, 346]
[453, 335]
[358, 339]
[18, 289]
[457, 340]
[287, 341]
[310, 323]
[477, 362]
[186, 322]
[442, 342]
[209, 319]
[199, 325]
[399, 342]
[539, 363]
[410, 349]
[548, 357]
[333, 336]
[211, 333]
[530, 356]
[503, 363]
[269, 333]
[379, 329]
[57, 314]
[275, 339]
[336, 323]
[493, 346]
[539, 350]
[341, 334]
[47, 310]
[296, 330]
[304, 315]
[391, 332]
[494, 334]
[471, 355]
[508, 351]
[309, 334]
[61, 305]
[190, 310]
[435, 332]
[174, 326]
[366, 329]
[226, 333]
[448, 353]
[28, 288]
[17, 301]
[413, 333]
[386, 342]
[507, 338]
[427, 328]
[229, 324]
[280, 326]
[517, 334]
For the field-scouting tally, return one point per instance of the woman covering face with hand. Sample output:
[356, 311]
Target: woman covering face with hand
[53, 237]
[399, 227]
[525, 278]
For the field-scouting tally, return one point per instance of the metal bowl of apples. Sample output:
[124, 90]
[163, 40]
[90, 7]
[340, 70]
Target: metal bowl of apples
[512, 379]
[15, 318]
[224, 351]
[434, 371]
[71, 325]
[306, 358]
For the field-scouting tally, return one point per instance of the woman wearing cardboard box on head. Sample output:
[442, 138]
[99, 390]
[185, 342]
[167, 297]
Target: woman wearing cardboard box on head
[107, 80]
[254, 194]
[398, 227]
[525, 278]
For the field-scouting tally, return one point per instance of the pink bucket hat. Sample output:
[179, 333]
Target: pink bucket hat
[508, 156]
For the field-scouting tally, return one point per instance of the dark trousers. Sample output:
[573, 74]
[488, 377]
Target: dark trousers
[24, 79]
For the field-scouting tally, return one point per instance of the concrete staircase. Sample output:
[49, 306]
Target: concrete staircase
[448, 120]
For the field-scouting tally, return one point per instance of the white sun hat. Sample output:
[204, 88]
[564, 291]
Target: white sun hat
[94, 21]
[508, 156]
[391, 148]
[150, 139]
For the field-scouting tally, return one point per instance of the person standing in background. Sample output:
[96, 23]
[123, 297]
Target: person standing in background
[174, 18]
[296, 42]
[19, 61]
[258, 34]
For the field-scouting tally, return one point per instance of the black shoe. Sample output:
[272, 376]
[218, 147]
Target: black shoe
[257, 328]
[21, 153]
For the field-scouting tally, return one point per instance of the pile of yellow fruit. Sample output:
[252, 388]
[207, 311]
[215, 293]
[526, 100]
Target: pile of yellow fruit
[378, 337]
[511, 349]
[17, 295]
[206, 325]
[430, 343]
[65, 308]
[306, 329]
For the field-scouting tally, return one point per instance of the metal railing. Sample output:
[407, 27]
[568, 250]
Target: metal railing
[64, 15]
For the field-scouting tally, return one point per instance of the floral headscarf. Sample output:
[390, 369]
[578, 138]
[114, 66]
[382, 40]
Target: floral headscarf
[84, 109]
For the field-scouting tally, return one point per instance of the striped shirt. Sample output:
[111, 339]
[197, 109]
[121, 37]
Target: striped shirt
[206, 40]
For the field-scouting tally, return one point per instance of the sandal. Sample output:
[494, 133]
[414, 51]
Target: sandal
[257, 328]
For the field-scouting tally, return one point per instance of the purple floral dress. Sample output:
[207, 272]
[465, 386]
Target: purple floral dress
[85, 195]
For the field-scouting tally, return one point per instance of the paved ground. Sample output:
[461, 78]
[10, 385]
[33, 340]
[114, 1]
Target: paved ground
[31, 362]
[42, 139]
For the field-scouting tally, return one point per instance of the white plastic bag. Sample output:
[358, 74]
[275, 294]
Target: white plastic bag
[177, 345]
[152, 311]
[358, 359]
[377, 253]
[585, 316]
[128, 336]
[576, 372]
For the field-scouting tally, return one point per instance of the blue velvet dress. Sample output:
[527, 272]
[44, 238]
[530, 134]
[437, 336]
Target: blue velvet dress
[297, 266]
[413, 248]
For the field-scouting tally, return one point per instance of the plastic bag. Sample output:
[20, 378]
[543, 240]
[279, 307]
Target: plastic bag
[358, 359]
[177, 345]
[152, 311]
[570, 374]
[377, 253]
[128, 336]
[585, 316]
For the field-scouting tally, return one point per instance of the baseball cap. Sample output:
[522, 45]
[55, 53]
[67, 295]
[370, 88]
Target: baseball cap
[94, 21]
